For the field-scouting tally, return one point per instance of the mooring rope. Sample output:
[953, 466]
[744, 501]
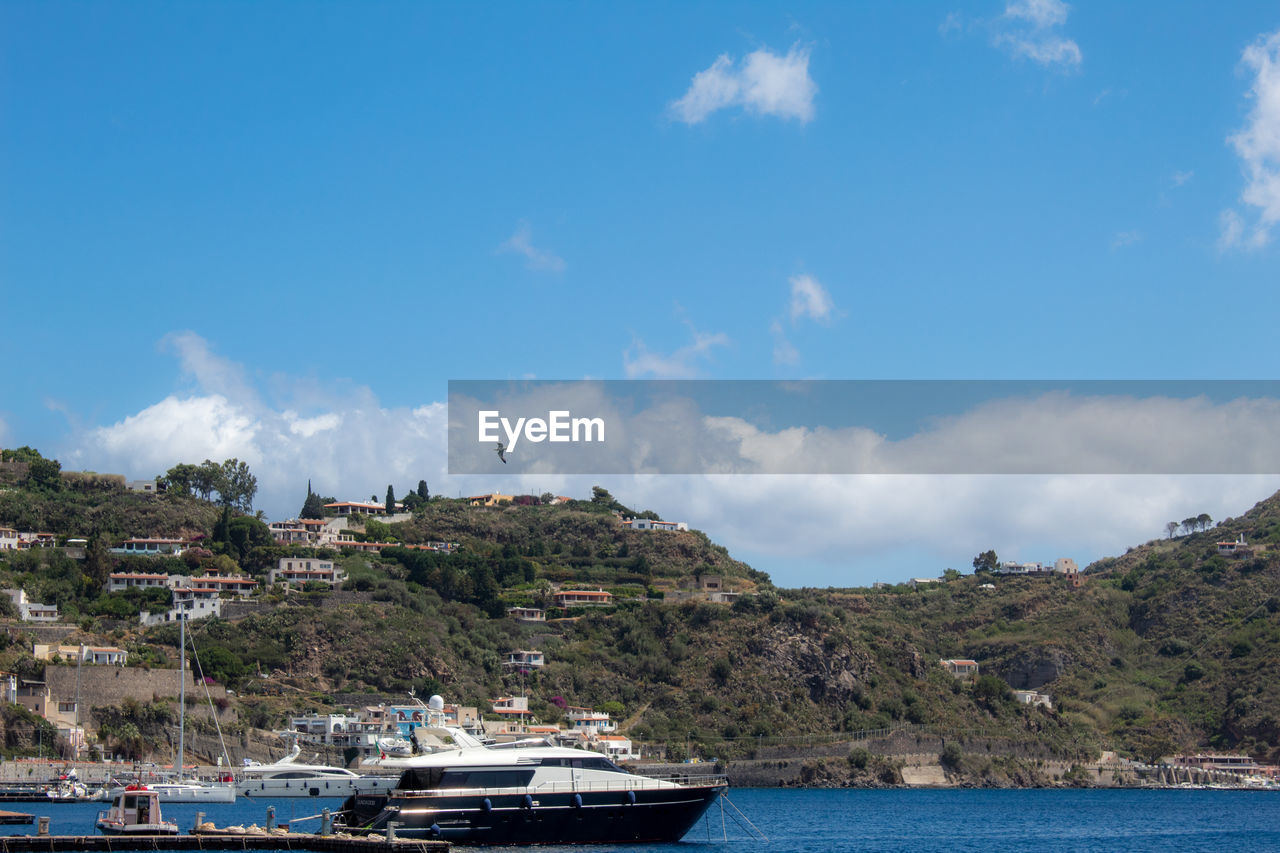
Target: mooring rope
[763, 837]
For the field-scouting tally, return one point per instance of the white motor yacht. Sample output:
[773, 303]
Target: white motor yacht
[530, 793]
[290, 778]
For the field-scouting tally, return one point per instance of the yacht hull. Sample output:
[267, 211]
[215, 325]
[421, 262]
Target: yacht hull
[262, 788]
[584, 817]
[178, 793]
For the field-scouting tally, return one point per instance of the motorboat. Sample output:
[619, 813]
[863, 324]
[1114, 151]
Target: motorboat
[395, 746]
[530, 793]
[290, 778]
[135, 811]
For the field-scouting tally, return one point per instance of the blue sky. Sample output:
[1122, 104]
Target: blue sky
[271, 224]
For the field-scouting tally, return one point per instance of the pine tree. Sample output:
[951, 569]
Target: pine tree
[222, 530]
[313, 506]
[422, 490]
[391, 500]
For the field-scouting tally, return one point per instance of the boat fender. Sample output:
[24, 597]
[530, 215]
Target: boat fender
[631, 798]
[528, 801]
[435, 830]
[577, 801]
[487, 805]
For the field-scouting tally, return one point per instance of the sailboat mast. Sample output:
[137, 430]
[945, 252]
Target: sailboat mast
[182, 685]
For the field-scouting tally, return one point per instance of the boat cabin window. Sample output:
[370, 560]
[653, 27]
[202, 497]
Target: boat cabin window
[486, 778]
[593, 763]
[420, 778]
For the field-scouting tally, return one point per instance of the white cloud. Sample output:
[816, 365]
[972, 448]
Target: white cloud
[783, 351]
[1029, 29]
[804, 530]
[852, 530]
[638, 362]
[210, 371]
[1181, 178]
[951, 23]
[1125, 238]
[347, 445]
[521, 243]
[1041, 14]
[1230, 230]
[809, 299]
[1258, 146]
[765, 83]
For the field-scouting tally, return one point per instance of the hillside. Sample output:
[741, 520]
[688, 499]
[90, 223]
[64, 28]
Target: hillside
[578, 541]
[1169, 647]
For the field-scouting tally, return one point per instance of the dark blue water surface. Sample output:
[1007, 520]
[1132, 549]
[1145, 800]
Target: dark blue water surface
[943, 820]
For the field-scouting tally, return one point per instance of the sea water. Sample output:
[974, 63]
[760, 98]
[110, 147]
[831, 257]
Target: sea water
[813, 821]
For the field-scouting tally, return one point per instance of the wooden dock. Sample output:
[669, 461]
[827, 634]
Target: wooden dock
[11, 818]
[219, 841]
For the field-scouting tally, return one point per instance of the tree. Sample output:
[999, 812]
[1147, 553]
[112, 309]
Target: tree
[951, 575]
[207, 479]
[391, 500]
[45, 472]
[1204, 520]
[181, 478]
[222, 530]
[236, 485]
[22, 454]
[1189, 524]
[422, 490]
[987, 561]
[97, 559]
[1171, 528]
[246, 533]
[313, 506]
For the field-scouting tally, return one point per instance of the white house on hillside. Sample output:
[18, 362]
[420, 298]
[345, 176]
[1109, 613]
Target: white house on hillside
[31, 611]
[651, 524]
[295, 571]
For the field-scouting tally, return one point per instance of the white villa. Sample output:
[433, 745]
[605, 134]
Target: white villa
[580, 597]
[30, 611]
[587, 720]
[120, 581]
[299, 570]
[152, 547]
[617, 747]
[525, 658]
[93, 655]
[651, 524]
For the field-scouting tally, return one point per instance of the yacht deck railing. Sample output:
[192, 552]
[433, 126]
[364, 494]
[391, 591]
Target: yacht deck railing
[623, 783]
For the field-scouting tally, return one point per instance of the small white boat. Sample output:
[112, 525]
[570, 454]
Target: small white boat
[397, 746]
[290, 778]
[135, 811]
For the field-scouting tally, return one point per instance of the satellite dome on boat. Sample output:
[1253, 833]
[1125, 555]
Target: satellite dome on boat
[435, 703]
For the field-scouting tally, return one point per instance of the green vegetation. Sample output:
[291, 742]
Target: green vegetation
[1169, 647]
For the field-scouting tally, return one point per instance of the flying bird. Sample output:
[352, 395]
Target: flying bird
[502, 448]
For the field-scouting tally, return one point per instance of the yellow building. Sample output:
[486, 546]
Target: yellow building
[490, 500]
